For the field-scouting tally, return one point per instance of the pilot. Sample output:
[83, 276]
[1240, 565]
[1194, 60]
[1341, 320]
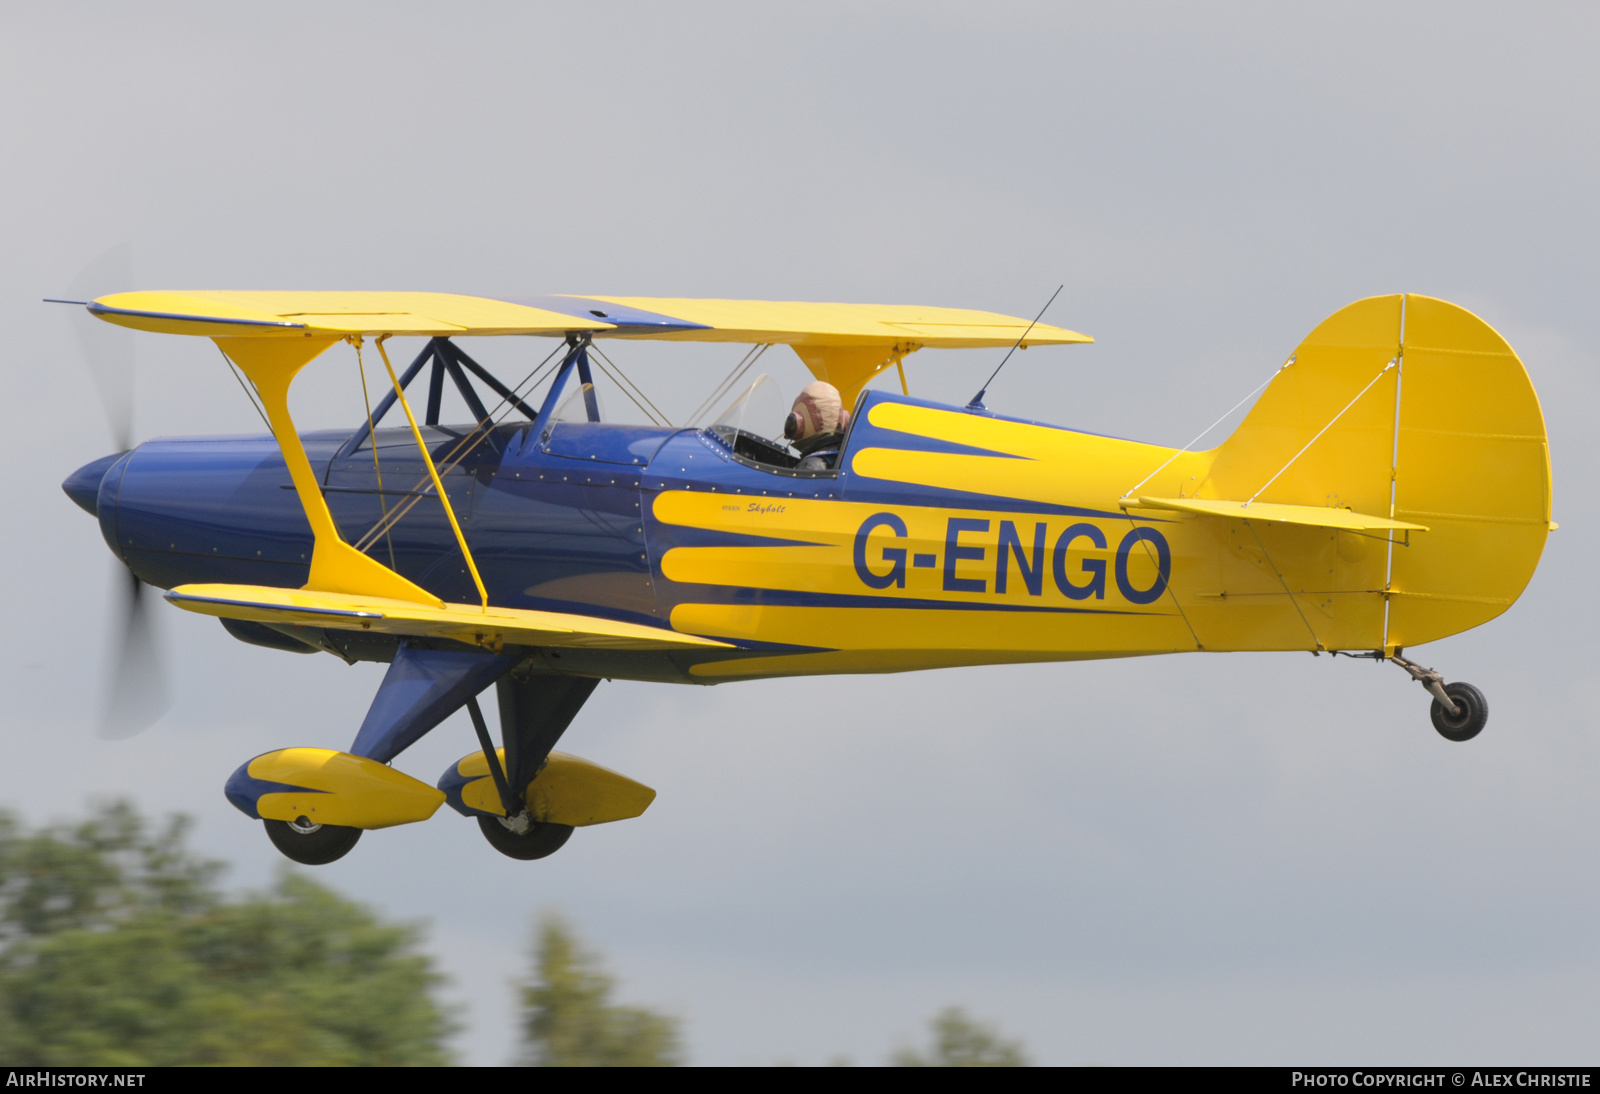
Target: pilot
[816, 425]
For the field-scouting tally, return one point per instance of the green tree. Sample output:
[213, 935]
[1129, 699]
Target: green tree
[958, 1041]
[568, 1019]
[118, 950]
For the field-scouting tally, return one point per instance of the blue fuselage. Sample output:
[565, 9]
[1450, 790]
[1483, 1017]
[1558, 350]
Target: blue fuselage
[558, 521]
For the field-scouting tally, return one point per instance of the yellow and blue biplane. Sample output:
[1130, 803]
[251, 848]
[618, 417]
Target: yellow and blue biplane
[1391, 486]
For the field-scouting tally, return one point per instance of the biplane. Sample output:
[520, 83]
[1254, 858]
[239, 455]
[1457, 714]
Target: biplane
[1390, 486]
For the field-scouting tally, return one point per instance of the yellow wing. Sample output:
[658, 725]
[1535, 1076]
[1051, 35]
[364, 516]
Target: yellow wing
[845, 344]
[797, 323]
[460, 622]
[225, 314]
[289, 314]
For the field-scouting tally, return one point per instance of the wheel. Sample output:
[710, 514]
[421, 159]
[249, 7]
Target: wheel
[537, 842]
[1474, 713]
[312, 844]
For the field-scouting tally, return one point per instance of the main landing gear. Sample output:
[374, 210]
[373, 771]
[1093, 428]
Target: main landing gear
[311, 844]
[1459, 710]
[523, 838]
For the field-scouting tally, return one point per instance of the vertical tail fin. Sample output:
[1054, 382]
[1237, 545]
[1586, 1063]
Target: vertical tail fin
[1412, 408]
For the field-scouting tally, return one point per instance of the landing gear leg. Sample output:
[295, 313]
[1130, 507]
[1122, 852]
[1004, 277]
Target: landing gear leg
[534, 712]
[516, 834]
[1459, 710]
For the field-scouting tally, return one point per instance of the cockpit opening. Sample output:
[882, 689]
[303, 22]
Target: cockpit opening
[759, 430]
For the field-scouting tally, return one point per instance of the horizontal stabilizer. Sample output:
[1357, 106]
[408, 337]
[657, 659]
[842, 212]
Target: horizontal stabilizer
[459, 622]
[1313, 516]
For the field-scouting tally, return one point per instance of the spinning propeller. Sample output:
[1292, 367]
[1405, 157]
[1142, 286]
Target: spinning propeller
[135, 694]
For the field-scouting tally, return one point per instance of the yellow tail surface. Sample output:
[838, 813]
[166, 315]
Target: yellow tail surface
[1433, 422]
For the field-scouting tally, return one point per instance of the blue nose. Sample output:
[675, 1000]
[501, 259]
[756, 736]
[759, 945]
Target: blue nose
[83, 485]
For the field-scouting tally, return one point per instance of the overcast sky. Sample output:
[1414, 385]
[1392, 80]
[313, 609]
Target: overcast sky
[1192, 859]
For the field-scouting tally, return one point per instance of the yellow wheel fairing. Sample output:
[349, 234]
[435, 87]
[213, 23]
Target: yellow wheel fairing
[568, 790]
[329, 787]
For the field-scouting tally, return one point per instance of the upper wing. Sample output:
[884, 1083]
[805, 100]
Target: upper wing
[1315, 516]
[267, 314]
[462, 622]
[227, 314]
[797, 323]
[844, 344]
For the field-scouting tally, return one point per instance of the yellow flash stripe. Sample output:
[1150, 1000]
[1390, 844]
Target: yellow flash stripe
[1102, 467]
[825, 564]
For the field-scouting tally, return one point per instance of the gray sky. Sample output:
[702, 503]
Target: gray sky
[1258, 859]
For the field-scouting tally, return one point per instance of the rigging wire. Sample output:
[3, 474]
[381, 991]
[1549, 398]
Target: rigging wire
[1209, 428]
[433, 473]
[1395, 361]
[1317, 642]
[372, 435]
[476, 436]
[625, 382]
[464, 447]
[732, 378]
[1170, 591]
[249, 392]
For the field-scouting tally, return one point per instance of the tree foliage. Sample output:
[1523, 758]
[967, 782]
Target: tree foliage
[958, 1041]
[118, 950]
[568, 1019]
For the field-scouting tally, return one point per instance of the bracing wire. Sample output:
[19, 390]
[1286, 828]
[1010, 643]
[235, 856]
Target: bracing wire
[744, 366]
[372, 437]
[600, 364]
[1199, 436]
[622, 380]
[1315, 641]
[1324, 429]
[249, 392]
[463, 448]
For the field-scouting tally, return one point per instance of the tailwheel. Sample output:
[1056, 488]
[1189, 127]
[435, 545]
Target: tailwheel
[523, 838]
[309, 843]
[1469, 718]
[1459, 710]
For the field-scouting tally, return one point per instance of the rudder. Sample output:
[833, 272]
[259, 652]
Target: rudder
[1474, 465]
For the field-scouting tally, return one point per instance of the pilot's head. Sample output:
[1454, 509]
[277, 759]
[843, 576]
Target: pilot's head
[818, 412]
